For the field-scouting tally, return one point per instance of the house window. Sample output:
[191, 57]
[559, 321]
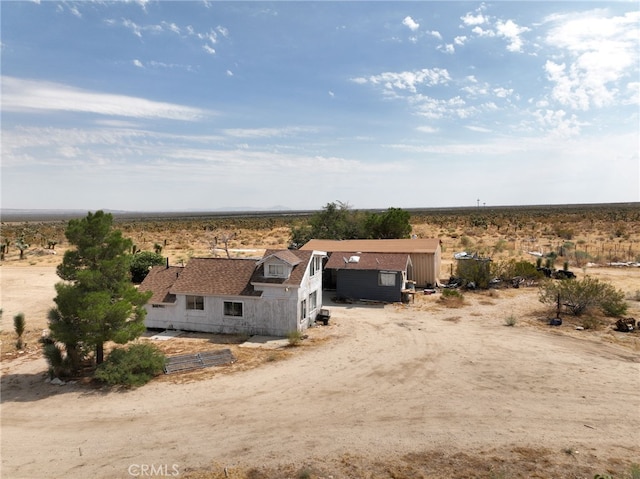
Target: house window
[313, 301]
[195, 302]
[276, 270]
[231, 308]
[386, 278]
[303, 309]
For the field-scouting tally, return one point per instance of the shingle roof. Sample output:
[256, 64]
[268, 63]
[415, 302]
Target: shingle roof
[288, 256]
[217, 277]
[159, 281]
[418, 245]
[297, 273]
[369, 261]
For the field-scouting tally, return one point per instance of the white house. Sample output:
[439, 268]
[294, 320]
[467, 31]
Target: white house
[280, 293]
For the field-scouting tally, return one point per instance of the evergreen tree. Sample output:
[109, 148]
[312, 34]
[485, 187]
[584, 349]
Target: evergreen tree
[97, 302]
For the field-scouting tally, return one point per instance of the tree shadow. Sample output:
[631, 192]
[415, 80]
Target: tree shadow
[29, 387]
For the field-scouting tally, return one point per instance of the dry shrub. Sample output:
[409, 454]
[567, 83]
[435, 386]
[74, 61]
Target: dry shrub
[451, 298]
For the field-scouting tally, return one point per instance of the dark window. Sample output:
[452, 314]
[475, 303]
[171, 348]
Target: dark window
[232, 309]
[195, 302]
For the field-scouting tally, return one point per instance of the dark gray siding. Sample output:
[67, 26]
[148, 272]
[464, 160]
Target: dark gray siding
[363, 284]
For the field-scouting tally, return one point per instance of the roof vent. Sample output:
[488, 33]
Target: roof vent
[354, 259]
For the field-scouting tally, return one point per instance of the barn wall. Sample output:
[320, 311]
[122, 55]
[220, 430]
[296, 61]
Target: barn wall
[363, 284]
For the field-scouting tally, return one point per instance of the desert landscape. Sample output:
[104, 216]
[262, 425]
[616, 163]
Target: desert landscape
[427, 389]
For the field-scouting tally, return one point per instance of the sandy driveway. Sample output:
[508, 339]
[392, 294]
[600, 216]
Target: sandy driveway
[391, 380]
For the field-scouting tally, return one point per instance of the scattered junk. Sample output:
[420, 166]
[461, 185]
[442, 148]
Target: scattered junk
[465, 255]
[204, 359]
[323, 316]
[626, 325]
[556, 274]
[555, 322]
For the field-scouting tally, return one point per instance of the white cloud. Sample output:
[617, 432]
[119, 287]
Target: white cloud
[266, 132]
[511, 31]
[597, 52]
[31, 96]
[407, 80]
[209, 50]
[229, 73]
[460, 40]
[138, 63]
[427, 129]
[557, 123]
[448, 48]
[471, 19]
[483, 33]
[478, 129]
[436, 34]
[410, 23]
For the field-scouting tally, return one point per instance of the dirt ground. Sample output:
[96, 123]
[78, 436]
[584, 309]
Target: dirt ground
[398, 391]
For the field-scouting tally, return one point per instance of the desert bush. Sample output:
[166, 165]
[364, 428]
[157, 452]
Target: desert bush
[510, 320]
[294, 337]
[580, 296]
[451, 298]
[506, 270]
[132, 366]
[476, 271]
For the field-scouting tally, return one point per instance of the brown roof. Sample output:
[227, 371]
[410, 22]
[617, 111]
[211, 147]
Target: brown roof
[217, 277]
[418, 245]
[288, 256]
[297, 257]
[369, 261]
[159, 280]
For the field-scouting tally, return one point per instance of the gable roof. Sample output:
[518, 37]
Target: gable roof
[418, 245]
[284, 255]
[217, 277]
[369, 261]
[159, 281]
[297, 273]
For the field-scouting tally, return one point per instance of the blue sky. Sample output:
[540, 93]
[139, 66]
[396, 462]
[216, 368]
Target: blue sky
[154, 106]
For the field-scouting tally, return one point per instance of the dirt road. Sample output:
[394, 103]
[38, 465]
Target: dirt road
[389, 381]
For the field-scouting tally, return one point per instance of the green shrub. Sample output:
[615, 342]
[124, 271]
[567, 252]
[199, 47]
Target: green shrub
[510, 320]
[580, 296]
[132, 366]
[294, 337]
[142, 262]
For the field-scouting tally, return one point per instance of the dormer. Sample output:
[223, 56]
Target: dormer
[279, 264]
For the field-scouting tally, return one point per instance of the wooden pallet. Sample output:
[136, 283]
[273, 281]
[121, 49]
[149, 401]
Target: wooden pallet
[205, 359]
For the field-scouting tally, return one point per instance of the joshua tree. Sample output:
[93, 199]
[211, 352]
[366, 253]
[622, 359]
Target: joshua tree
[18, 326]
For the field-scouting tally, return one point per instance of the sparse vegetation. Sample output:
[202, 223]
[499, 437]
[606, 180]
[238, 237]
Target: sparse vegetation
[580, 296]
[510, 320]
[294, 337]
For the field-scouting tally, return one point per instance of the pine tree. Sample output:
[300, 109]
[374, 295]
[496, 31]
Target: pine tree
[97, 302]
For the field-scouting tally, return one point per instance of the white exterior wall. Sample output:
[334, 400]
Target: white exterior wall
[308, 285]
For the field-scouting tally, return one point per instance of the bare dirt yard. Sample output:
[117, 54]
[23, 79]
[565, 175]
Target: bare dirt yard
[395, 391]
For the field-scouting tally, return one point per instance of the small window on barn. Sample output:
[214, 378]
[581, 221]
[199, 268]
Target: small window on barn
[386, 278]
[276, 270]
[195, 302]
[232, 308]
